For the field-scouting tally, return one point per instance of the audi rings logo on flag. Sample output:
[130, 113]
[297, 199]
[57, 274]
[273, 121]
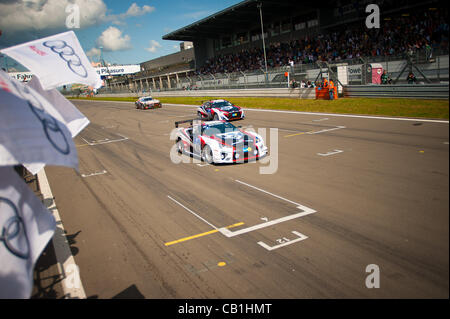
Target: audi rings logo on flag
[57, 60]
[12, 230]
[51, 128]
[67, 53]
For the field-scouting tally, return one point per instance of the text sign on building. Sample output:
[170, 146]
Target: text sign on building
[21, 76]
[354, 72]
[118, 70]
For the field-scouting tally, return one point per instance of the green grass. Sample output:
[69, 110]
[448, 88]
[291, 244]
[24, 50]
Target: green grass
[433, 109]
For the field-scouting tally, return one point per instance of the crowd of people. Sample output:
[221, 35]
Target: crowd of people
[302, 84]
[399, 35]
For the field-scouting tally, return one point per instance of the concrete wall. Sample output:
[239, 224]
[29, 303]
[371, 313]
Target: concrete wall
[277, 92]
[416, 91]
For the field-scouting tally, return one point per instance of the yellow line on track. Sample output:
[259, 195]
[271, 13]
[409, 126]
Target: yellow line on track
[200, 235]
[295, 134]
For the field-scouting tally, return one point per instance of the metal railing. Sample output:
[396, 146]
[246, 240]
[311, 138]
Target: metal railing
[427, 91]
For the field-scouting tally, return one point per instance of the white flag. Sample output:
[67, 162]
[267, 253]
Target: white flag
[57, 60]
[26, 226]
[73, 118]
[31, 130]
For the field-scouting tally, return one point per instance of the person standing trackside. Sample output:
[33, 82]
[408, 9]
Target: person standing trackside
[411, 78]
[325, 84]
[384, 78]
[331, 90]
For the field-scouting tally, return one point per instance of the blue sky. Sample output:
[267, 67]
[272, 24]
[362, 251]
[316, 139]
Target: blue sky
[168, 16]
[130, 31]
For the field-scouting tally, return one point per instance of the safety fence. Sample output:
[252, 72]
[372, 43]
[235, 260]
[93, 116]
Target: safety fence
[357, 71]
[426, 91]
[418, 91]
[300, 93]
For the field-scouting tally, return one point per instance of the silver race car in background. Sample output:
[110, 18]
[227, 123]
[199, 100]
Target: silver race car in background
[219, 142]
[147, 102]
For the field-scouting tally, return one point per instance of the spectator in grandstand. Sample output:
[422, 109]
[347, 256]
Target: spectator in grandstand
[406, 34]
[411, 78]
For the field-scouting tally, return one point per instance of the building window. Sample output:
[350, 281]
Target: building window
[275, 28]
[216, 45]
[286, 26]
[313, 23]
[300, 26]
[241, 38]
[255, 35]
[226, 42]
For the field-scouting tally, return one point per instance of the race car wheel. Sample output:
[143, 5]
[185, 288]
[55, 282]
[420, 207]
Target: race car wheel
[199, 116]
[207, 155]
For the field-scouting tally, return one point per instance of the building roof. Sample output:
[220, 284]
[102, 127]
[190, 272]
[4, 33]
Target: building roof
[183, 56]
[242, 16]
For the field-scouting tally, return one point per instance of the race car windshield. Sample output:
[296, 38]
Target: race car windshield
[147, 99]
[221, 128]
[220, 105]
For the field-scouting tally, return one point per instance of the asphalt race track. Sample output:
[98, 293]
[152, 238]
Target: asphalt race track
[344, 193]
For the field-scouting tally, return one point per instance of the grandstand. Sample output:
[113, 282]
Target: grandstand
[307, 39]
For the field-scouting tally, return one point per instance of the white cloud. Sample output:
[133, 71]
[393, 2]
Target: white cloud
[47, 14]
[119, 22]
[134, 10]
[112, 40]
[24, 20]
[94, 52]
[154, 46]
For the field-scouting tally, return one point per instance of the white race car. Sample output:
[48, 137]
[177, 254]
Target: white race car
[220, 110]
[147, 102]
[219, 142]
